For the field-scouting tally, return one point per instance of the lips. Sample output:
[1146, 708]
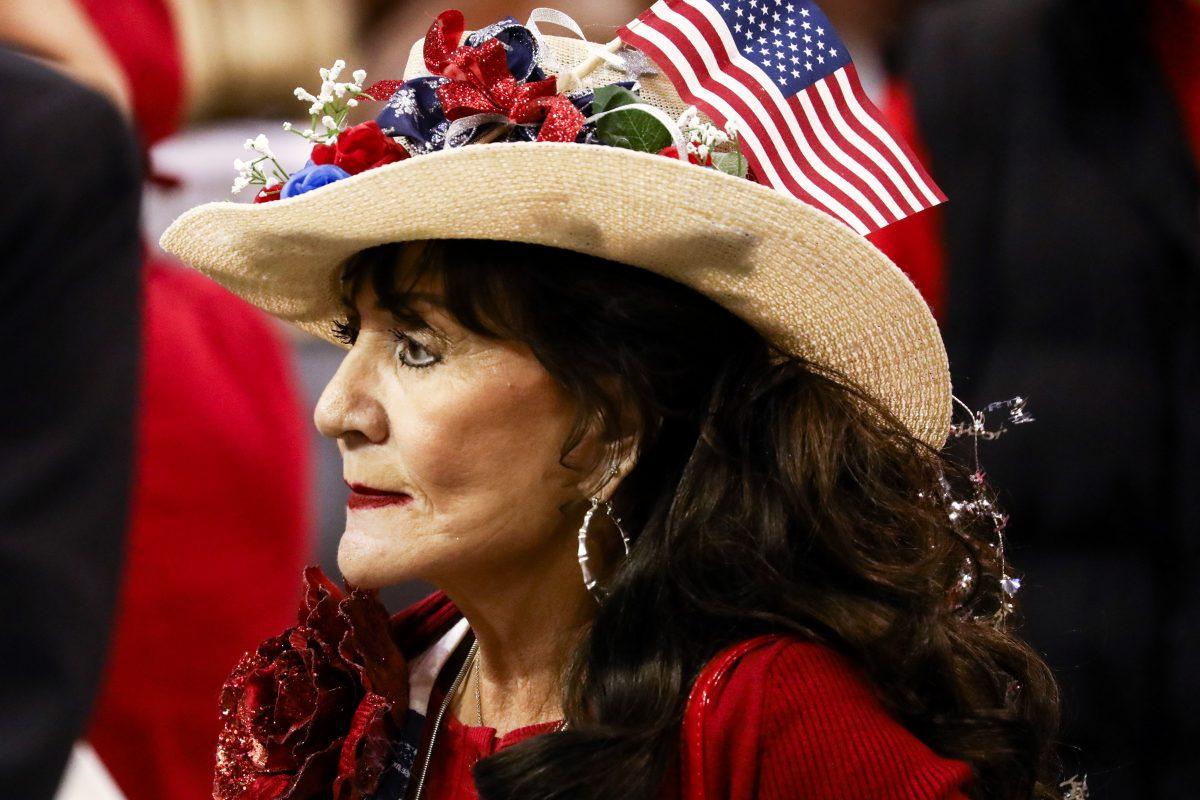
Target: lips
[362, 497]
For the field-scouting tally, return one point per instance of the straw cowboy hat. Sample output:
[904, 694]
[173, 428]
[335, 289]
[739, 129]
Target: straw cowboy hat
[805, 280]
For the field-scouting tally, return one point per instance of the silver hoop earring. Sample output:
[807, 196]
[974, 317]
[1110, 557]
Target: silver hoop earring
[599, 593]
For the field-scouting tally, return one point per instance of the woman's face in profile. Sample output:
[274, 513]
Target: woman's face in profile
[451, 442]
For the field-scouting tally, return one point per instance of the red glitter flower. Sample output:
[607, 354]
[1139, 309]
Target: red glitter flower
[360, 148]
[312, 712]
[481, 83]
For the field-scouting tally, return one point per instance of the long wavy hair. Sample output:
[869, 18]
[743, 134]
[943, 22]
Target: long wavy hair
[769, 495]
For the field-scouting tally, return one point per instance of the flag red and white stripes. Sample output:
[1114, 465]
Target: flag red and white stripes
[777, 70]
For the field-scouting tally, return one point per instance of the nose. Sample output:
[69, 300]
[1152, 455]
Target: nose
[350, 408]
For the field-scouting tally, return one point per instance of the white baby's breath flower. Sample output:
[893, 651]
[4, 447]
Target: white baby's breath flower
[287, 126]
[324, 72]
[329, 122]
[352, 102]
[688, 118]
[336, 70]
[360, 76]
[240, 183]
[239, 165]
[731, 129]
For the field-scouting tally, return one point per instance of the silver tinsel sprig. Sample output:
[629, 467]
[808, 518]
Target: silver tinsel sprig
[636, 63]
[978, 427]
[978, 510]
[1075, 788]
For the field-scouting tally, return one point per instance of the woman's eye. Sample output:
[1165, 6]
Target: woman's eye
[412, 353]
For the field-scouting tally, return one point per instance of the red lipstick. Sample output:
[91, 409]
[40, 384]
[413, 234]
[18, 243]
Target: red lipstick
[366, 497]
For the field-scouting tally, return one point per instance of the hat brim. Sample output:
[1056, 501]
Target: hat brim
[807, 282]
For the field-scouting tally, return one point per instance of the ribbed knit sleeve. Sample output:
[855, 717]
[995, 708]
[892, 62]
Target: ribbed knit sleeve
[799, 720]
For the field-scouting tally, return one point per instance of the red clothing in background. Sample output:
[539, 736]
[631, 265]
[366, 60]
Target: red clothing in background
[218, 531]
[141, 37]
[1175, 30]
[219, 525]
[914, 243]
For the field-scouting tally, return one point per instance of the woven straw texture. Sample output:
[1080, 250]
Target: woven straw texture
[803, 279]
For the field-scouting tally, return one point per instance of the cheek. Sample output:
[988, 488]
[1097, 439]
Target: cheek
[486, 438]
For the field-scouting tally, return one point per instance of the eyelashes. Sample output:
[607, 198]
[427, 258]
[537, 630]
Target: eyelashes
[344, 332]
[408, 351]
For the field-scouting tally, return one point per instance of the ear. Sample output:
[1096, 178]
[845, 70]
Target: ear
[601, 481]
[624, 456]
[621, 451]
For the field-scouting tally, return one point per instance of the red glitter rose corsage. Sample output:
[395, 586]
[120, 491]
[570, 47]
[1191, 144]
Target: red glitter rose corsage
[313, 712]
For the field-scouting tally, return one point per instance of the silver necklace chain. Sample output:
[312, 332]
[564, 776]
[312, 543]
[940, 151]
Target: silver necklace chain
[478, 679]
[468, 663]
[437, 723]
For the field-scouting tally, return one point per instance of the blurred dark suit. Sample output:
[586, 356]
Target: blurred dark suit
[1073, 266]
[69, 289]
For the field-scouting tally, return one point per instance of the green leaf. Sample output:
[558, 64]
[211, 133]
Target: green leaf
[612, 96]
[732, 163]
[634, 129]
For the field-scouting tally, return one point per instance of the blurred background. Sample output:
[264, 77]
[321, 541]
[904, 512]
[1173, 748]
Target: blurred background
[162, 484]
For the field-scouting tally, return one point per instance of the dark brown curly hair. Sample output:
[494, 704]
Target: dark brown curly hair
[769, 494]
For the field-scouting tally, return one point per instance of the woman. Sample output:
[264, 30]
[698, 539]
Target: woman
[674, 469]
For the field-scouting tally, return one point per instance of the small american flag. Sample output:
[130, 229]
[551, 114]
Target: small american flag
[777, 70]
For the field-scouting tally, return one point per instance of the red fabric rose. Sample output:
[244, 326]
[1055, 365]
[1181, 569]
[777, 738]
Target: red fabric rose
[316, 708]
[360, 148]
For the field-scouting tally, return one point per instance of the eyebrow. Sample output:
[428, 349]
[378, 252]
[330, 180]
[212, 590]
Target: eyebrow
[410, 316]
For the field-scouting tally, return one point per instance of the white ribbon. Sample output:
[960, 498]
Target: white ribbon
[463, 127]
[555, 17]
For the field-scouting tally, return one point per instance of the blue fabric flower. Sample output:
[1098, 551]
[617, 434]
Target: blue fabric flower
[313, 176]
[521, 46]
[414, 112]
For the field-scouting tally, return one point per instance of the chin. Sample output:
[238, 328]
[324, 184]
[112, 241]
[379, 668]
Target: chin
[365, 566]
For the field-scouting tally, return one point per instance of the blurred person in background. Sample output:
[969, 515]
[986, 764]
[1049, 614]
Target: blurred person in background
[219, 516]
[69, 288]
[1068, 265]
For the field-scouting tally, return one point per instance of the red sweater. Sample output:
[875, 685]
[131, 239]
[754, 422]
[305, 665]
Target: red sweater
[770, 718]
